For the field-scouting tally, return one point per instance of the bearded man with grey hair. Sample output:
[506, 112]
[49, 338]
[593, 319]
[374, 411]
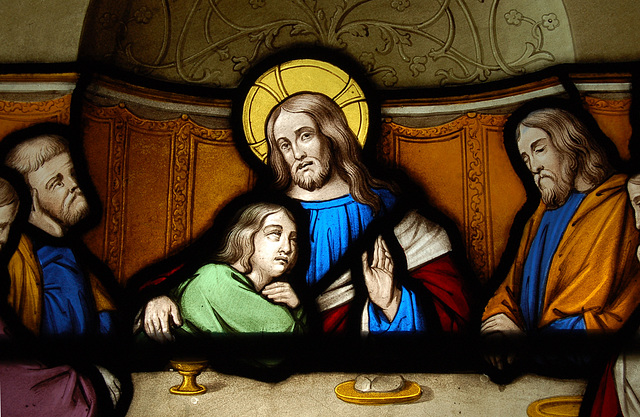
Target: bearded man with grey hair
[50, 290]
[575, 271]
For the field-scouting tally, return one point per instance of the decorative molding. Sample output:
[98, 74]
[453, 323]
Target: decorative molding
[36, 79]
[30, 100]
[121, 91]
[116, 194]
[480, 97]
[587, 78]
[184, 132]
[180, 223]
[165, 97]
[618, 84]
[603, 106]
[471, 129]
[385, 145]
[399, 43]
[63, 83]
[476, 226]
[57, 109]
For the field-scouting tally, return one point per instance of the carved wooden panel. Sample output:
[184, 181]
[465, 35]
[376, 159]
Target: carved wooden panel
[18, 115]
[613, 118]
[161, 183]
[464, 169]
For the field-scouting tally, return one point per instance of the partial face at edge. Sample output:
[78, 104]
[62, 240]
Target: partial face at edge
[7, 216]
[276, 247]
[634, 197]
[547, 165]
[304, 148]
[58, 193]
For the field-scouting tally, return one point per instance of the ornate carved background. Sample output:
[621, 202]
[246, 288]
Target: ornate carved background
[15, 115]
[463, 168]
[613, 118]
[400, 43]
[161, 183]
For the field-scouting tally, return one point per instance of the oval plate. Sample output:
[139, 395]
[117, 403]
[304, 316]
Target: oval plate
[346, 392]
[568, 406]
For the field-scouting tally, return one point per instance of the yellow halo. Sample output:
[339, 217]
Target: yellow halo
[295, 76]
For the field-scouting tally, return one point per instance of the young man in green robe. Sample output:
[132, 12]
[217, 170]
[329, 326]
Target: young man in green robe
[237, 292]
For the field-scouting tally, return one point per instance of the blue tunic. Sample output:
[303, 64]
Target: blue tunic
[536, 268]
[334, 225]
[408, 318]
[69, 307]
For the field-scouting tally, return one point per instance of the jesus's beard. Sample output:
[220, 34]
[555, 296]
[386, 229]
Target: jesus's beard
[311, 179]
[557, 194]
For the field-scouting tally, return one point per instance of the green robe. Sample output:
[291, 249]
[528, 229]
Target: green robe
[220, 300]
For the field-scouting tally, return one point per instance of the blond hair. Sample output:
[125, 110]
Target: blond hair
[238, 245]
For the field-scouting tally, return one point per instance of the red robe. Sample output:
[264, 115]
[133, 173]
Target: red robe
[442, 279]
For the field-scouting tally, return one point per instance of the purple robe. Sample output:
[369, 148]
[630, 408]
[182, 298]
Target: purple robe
[29, 388]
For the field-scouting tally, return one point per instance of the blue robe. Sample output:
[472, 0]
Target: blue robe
[334, 225]
[536, 268]
[69, 307]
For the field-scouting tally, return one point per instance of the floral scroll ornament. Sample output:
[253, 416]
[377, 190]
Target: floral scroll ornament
[108, 20]
[549, 21]
[533, 50]
[143, 15]
[387, 74]
[241, 64]
[400, 5]
[256, 4]
[418, 65]
[514, 17]
[425, 43]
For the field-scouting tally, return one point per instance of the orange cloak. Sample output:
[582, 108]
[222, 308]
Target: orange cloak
[594, 272]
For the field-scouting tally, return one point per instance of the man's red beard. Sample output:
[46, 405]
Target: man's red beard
[556, 195]
[74, 208]
[311, 178]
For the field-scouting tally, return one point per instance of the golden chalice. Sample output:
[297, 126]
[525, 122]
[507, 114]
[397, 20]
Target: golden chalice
[189, 369]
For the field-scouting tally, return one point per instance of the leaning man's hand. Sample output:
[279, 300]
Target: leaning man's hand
[160, 315]
[495, 330]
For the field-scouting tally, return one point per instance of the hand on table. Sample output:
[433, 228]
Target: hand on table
[160, 315]
[496, 329]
